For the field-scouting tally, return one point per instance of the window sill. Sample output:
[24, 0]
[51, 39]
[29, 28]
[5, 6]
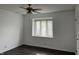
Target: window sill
[42, 37]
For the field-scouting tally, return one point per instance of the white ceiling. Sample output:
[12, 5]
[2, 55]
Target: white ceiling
[46, 8]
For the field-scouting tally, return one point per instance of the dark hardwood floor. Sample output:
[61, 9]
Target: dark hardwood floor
[32, 50]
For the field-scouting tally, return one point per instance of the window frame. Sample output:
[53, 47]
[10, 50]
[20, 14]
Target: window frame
[37, 19]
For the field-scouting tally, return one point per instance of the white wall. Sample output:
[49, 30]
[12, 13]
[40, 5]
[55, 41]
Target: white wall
[77, 26]
[10, 30]
[64, 32]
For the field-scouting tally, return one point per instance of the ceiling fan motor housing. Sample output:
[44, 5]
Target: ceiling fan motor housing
[29, 9]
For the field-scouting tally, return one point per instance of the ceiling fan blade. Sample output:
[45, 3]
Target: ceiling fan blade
[22, 7]
[37, 9]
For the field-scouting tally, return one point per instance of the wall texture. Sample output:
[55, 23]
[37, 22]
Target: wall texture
[10, 30]
[77, 26]
[63, 27]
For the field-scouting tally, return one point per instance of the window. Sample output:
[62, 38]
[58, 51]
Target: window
[42, 27]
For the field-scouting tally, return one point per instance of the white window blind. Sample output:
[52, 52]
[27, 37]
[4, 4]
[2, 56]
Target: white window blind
[42, 28]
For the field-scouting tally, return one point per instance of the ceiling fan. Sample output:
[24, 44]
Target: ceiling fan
[30, 9]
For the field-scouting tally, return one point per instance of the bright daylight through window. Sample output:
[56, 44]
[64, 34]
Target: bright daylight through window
[42, 27]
